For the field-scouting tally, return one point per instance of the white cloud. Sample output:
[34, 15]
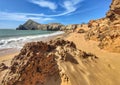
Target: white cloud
[23, 16]
[44, 3]
[70, 5]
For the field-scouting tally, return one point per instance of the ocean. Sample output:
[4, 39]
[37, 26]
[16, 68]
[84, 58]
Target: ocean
[11, 38]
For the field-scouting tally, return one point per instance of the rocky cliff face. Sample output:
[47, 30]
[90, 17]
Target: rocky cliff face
[41, 63]
[107, 30]
[114, 12]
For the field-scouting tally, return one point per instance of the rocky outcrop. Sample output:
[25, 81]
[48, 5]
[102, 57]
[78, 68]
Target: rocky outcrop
[32, 25]
[110, 39]
[83, 28]
[40, 63]
[97, 28]
[107, 30]
[29, 25]
[80, 28]
[32, 66]
[3, 67]
[71, 26]
[114, 12]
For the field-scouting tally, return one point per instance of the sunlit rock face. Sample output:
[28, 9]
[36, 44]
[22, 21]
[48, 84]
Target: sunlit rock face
[107, 30]
[41, 63]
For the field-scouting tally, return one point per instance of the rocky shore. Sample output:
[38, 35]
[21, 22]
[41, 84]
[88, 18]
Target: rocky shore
[39, 62]
[88, 55]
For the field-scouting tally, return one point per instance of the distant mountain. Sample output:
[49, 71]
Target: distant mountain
[32, 25]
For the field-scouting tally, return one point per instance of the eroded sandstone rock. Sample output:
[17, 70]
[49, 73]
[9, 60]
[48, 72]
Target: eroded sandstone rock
[3, 67]
[107, 30]
[39, 63]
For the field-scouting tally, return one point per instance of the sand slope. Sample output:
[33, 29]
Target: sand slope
[105, 71]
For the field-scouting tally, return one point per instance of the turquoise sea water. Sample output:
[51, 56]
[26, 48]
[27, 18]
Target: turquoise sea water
[11, 38]
[7, 33]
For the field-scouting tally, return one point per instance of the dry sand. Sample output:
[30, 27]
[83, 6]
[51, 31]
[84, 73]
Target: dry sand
[104, 71]
[7, 57]
[7, 60]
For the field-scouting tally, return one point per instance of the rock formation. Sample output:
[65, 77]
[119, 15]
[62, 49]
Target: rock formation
[41, 63]
[114, 12]
[59, 62]
[107, 30]
[32, 25]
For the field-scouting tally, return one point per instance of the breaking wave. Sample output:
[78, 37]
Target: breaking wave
[18, 42]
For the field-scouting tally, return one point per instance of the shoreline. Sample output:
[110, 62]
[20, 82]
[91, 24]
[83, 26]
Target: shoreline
[11, 52]
[80, 54]
[106, 64]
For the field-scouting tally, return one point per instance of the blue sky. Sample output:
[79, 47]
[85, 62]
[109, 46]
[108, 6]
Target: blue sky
[16, 12]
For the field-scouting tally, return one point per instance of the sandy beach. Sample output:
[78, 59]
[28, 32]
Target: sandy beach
[6, 55]
[104, 71]
[10, 51]
[108, 61]
[84, 54]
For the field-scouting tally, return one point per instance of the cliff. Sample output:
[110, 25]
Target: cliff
[107, 30]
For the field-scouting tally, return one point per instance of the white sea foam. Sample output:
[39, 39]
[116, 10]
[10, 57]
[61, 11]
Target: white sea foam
[20, 41]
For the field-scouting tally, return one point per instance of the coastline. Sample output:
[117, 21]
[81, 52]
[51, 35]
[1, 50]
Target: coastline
[103, 65]
[6, 54]
[85, 54]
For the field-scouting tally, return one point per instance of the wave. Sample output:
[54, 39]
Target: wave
[20, 41]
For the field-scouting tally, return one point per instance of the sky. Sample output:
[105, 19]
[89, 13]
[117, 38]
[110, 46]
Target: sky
[16, 12]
